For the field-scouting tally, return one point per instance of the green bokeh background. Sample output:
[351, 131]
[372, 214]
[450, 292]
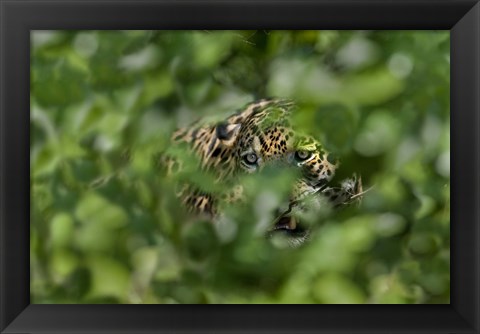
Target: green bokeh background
[105, 227]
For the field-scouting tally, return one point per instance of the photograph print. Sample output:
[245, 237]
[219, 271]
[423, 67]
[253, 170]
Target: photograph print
[240, 167]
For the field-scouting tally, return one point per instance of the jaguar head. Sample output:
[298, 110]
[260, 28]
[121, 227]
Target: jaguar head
[263, 136]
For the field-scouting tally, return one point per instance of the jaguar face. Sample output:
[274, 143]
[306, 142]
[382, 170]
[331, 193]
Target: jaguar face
[265, 138]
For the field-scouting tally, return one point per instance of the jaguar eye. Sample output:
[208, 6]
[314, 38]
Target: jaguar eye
[250, 158]
[302, 155]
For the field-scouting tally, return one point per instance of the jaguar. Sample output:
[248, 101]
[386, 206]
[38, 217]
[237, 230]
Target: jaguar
[259, 135]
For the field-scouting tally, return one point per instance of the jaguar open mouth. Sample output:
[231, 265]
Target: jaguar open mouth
[290, 226]
[287, 225]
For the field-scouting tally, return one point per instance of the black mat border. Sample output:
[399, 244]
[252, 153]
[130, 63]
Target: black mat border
[18, 17]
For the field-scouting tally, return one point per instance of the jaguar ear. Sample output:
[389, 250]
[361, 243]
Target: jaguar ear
[227, 133]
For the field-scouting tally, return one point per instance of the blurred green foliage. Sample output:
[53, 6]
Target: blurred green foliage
[105, 227]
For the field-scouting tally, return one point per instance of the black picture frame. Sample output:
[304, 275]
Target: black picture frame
[18, 17]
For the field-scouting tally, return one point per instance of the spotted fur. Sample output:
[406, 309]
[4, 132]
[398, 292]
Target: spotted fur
[260, 134]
